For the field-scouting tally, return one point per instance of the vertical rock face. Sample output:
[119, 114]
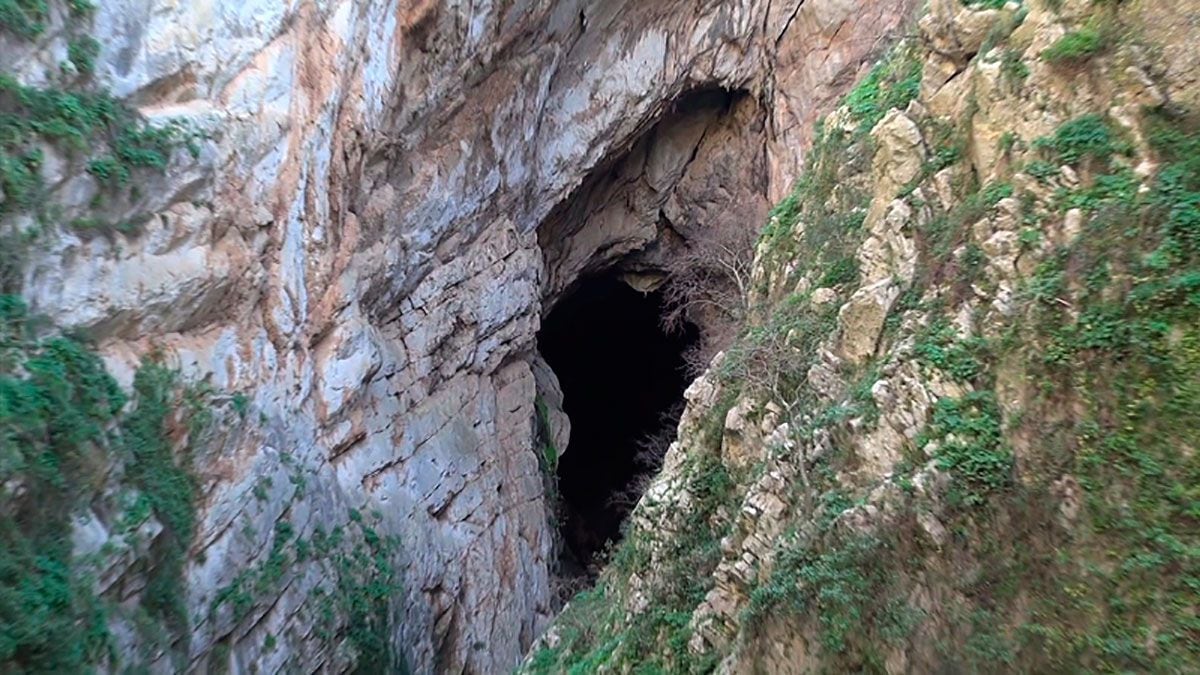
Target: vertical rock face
[355, 250]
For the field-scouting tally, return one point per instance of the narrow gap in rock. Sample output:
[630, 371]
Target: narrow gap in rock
[623, 378]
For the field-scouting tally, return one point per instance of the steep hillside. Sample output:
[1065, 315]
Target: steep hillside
[959, 431]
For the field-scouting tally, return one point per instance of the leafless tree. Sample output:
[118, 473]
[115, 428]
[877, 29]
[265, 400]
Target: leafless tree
[708, 284]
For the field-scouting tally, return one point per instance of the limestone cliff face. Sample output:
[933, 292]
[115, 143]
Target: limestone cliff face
[958, 431]
[352, 257]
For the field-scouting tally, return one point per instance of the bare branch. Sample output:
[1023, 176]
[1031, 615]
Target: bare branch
[708, 285]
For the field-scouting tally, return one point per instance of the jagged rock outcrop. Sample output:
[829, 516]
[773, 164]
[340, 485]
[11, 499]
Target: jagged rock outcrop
[954, 435]
[353, 256]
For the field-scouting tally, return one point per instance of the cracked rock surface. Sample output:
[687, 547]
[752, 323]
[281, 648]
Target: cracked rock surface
[356, 250]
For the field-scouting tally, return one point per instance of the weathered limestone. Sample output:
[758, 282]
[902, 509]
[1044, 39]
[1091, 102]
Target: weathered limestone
[892, 471]
[356, 251]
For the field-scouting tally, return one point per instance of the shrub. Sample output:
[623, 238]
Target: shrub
[842, 271]
[1089, 136]
[82, 53]
[1076, 46]
[63, 426]
[995, 192]
[1042, 171]
[971, 445]
[25, 18]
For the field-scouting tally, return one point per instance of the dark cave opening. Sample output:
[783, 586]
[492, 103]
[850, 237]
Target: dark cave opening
[623, 377]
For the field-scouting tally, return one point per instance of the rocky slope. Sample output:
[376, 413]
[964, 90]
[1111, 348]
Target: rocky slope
[958, 432]
[312, 242]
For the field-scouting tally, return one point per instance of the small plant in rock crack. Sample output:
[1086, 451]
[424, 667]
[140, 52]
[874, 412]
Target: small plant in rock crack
[550, 452]
[1086, 137]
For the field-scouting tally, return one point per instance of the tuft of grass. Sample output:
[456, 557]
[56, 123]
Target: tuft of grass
[82, 53]
[841, 271]
[1077, 46]
[1013, 66]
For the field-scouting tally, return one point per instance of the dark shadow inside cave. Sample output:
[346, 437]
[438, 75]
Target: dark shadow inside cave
[623, 378]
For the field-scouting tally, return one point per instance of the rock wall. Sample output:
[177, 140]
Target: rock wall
[354, 251]
[955, 431]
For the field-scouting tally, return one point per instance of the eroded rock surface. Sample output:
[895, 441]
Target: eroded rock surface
[355, 250]
[907, 463]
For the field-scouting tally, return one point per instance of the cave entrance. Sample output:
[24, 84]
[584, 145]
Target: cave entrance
[623, 377]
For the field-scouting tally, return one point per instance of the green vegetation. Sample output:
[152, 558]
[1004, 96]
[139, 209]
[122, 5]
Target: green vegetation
[165, 481]
[1124, 358]
[830, 209]
[1087, 137]
[113, 140]
[848, 587]
[595, 631]
[64, 423]
[1042, 171]
[841, 271]
[70, 439]
[1013, 67]
[774, 352]
[970, 445]
[25, 18]
[360, 563]
[549, 452]
[82, 53]
[366, 584]
[939, 347]
[56, 404]
[995, 192]
[1056, 515]
[893, 84]
[1076, 46]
